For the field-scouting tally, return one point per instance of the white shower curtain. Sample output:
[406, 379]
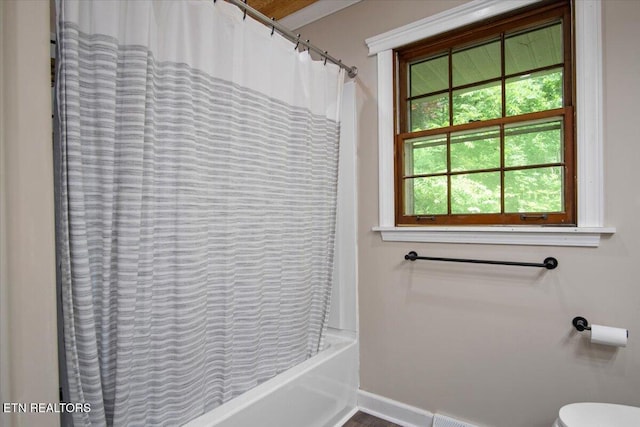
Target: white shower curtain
[197, 182]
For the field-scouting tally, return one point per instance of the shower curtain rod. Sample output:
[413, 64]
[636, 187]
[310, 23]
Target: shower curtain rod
[351, 71]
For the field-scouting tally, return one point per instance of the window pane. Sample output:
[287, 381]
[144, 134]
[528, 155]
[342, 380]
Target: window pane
[429, 112]
[482, 102]
[534, 190]
[533, 49]
[478, 149]
[533, 143]
[425, 196]
[425, 155]
[475, 193]
[534, 92]
[476, 64]
[429, 76]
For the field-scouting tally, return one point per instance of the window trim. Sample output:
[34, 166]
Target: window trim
[589, 138]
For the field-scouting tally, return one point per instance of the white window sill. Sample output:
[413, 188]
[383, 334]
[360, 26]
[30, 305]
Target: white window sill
[499, 235]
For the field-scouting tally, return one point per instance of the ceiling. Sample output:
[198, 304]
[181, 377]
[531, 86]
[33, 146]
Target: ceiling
[279, 8]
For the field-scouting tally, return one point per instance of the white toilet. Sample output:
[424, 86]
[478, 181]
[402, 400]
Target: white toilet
[589, 414]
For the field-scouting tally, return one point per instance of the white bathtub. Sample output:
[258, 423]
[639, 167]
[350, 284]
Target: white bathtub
[320, 392]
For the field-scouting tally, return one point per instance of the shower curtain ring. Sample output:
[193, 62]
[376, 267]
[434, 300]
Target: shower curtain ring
[297, 42]
[325, 57]
[273, 27]
[244, 16]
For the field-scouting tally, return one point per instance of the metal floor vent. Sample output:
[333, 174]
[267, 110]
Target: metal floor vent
[442, 421]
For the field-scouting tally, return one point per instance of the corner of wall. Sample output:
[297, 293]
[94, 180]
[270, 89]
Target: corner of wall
[28, 329]
[5, 362]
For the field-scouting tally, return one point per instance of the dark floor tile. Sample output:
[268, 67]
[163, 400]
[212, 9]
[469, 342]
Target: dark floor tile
[360, 419]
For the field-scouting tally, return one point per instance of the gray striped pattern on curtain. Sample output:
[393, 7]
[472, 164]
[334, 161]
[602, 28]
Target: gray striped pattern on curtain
[196, 228]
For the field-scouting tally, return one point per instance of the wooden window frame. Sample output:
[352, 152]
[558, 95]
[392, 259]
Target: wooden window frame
[492, 29]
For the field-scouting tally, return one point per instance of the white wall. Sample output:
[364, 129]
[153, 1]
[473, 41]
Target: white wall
[28, 355]
[494, 345]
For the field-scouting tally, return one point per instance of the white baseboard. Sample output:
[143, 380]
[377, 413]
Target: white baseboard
[393, 411]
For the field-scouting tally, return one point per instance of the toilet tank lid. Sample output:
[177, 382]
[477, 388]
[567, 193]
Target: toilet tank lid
[591, 414]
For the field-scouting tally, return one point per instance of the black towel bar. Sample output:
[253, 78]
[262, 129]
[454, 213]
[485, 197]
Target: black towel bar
[549, 263]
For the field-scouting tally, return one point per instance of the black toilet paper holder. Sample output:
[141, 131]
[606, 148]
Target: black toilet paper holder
[580, 323]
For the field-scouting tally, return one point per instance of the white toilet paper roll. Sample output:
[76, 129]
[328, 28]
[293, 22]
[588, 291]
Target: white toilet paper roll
[606, 335]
